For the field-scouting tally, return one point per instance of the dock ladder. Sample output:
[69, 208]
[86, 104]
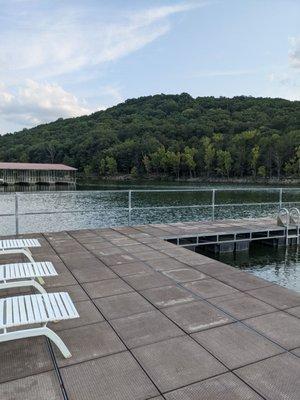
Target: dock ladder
[290, 220]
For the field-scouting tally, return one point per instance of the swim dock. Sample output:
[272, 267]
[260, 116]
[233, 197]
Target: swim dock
[158, 321]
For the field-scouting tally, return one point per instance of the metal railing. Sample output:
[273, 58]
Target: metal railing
[128, 205]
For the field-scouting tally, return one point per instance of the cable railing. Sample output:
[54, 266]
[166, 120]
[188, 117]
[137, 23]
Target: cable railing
[61, 210]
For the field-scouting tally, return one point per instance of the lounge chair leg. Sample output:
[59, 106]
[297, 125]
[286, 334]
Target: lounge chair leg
[57, 340]
[34, 332]
[38, 287]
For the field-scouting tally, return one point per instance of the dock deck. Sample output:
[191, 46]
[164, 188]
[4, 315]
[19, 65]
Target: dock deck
[158, 321]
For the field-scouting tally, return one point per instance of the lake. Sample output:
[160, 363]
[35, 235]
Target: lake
[48, 210]
[56, 210]
[280, 265]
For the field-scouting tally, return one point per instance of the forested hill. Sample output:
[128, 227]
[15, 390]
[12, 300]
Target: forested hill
[171, 135]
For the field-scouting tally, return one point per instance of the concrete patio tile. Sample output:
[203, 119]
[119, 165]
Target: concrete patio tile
[54, 258]
[196, 316]
[147, 281]
[168, 296]
[242, 306]
[104, 249]
[114, 377]
[224, 387]
[75, 260]
[15, 291]
[150, 255]
[108, 287]
[66, 248]
[86, 274]
[131, 268]
[75, 291]
[88, 314]
[277, 296]
[215, 268]
[296, 352]
[107, 251]
[123, 305]
[191, 259]
[24, 357]
[64, 277]
[88, 342]
[117, 259]
[281, 327]
[136, 248]
[141, 329]
[244, 281]
[275, 379]
[236, 346]
[208, 288]
[44, 386]
[165, 264]
[177, 362]
[157, 398]
[184, 274]
[294, 311]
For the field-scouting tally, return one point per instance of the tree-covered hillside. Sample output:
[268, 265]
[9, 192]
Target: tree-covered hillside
[171, 135]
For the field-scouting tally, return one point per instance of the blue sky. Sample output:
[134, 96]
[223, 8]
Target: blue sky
[64, 58]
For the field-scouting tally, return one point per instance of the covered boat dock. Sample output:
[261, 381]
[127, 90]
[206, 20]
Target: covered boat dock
[30, 173]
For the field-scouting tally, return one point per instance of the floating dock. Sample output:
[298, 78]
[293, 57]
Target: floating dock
[158, 321]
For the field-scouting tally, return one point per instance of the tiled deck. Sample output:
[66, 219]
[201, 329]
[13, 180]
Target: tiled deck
[157, 322]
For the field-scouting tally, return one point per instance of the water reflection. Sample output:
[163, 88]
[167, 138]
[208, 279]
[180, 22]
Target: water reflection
[280, 265]
[60, 210]
[35, 188]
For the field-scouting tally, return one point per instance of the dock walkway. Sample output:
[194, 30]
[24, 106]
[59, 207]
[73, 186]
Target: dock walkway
[158, 321]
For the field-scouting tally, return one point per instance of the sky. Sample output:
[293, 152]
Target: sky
[66, 58]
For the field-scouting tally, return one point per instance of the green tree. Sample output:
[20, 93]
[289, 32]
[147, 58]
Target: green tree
[134, 173]
[173, 162]
[224, 162]
[159, 160]
[102, 167]
[147, 164]
[111, 165]
[255, 152]
[188, 158]
[209, 155]
[88, 171]
[262, 171]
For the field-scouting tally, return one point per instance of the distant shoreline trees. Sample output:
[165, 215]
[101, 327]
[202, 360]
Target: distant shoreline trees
[173, 136]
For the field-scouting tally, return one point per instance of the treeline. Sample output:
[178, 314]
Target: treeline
[171, 135]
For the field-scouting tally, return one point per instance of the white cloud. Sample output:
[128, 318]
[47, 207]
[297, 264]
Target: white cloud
[64, 42]
[36, 103]
[67, 42]
[294, 53]
[285, 82]
[114, 92]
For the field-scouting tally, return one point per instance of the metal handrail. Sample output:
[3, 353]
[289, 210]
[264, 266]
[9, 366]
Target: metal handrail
[130, 208]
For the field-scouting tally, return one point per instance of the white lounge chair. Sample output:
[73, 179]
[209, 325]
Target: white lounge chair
[18, 246]
[25, 274]
[22, 311]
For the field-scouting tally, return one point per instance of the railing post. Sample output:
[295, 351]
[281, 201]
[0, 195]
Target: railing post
[213, 201]
[129, 207]
[17, 213]
[280, 198]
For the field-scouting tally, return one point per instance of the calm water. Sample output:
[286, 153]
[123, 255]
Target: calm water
[60, 210]
[280, 265]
